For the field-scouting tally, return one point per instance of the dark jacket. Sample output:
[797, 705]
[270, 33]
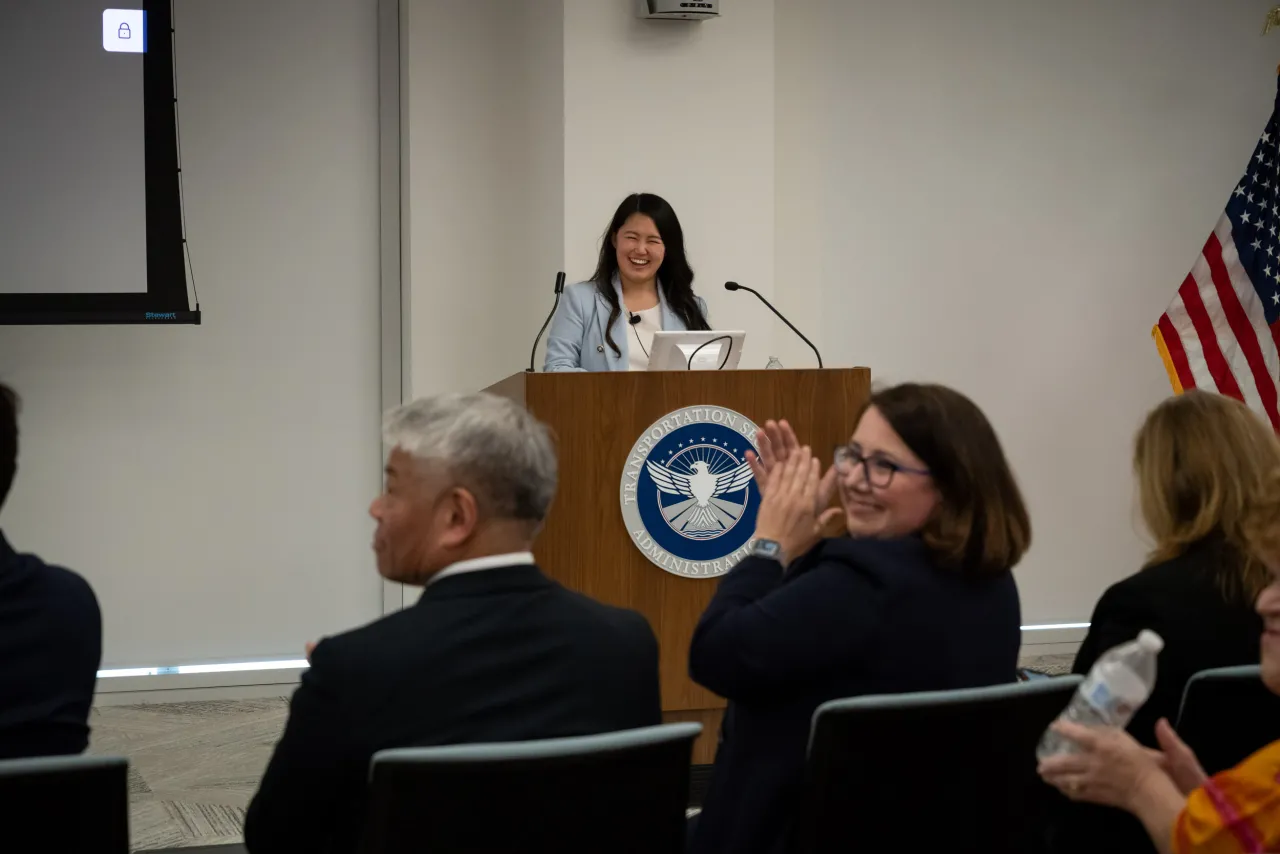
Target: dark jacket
[1180, 600]
[495, 655]
[50, 649]
[852, 617]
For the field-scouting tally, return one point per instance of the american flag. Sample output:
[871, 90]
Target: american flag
[1221, 332]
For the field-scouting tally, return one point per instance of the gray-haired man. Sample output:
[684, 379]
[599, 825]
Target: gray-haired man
[493, 651]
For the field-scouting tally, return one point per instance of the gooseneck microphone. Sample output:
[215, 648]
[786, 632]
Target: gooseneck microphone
[533, 354]
[734, 286]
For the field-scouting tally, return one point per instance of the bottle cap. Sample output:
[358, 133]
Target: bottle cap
[1150, 641]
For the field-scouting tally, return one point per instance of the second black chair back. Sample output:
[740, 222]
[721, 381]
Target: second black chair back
[934, 771]
[1227, 714]
[65, 803]
[622, 792]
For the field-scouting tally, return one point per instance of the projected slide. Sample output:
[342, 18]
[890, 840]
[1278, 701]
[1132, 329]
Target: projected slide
[73, 176]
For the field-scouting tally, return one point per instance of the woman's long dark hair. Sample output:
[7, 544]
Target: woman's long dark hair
[675, 276]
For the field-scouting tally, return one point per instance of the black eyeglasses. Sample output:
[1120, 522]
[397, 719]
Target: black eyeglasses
[878, 470]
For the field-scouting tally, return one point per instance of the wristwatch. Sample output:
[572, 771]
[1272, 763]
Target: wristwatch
[769, 549]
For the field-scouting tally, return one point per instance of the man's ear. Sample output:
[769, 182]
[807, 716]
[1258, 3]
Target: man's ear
[463, 517]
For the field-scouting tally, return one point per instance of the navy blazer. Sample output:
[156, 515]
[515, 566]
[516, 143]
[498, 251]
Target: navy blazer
[852, 617]
[500, 654]
[576, 341]
[50, 649]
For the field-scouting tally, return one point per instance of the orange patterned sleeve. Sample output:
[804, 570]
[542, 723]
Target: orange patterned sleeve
[1235, 812]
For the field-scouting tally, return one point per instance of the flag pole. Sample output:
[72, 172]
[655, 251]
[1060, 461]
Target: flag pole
[1273, 20]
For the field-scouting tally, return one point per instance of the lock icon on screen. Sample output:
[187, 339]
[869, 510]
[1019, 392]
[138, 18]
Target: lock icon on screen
[124, 32]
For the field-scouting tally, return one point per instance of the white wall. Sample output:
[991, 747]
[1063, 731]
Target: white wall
[1001, 196]
[483, 97]
[801, 152]
[541, 226]
[684, 110]
[211, 482]
[1007, 195]
[529, 122]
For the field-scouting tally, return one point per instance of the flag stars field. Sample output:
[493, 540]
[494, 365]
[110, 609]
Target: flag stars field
[1221, 332]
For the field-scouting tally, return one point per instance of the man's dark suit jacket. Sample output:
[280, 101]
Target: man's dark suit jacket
[852, 617]
[50, 649]
[493, 655]
[1181, 601]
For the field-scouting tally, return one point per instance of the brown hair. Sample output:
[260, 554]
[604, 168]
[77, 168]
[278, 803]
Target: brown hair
[1201, 461]
[980, 526]
[1261, 525]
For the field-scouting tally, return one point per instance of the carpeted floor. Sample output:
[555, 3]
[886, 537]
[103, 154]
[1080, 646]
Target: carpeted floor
[1053, 665]
[194, 766]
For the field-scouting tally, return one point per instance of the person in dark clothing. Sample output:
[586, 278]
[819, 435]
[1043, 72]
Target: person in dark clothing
[1200, 461]
[50, 637]
[493, 651]
[917, 596]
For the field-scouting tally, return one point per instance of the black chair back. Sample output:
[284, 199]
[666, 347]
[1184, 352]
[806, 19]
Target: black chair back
[1227, 714]
[66, 803]
[617, 792]
[938, 770]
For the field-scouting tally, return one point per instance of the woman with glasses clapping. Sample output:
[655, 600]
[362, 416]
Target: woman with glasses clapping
[917, 595]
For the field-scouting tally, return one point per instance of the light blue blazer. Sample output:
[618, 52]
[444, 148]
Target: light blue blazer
[576, 341]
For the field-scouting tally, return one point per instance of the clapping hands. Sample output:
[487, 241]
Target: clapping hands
[1110, 767]
[795, 509]
[1178, 760]
[777, 443]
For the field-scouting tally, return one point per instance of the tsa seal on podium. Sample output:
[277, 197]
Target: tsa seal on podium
[688, 497]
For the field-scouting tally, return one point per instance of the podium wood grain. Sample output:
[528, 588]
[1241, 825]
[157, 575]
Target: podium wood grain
[597, 417]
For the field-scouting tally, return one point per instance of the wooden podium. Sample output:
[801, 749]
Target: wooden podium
[597, 418]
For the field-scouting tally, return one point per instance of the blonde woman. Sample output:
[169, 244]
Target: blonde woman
[1182, 810]
[1200, 460]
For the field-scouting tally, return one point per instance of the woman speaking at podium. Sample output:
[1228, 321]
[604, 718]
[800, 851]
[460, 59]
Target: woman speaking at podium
[642, 285]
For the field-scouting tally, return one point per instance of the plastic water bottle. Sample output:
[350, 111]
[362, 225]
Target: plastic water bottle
[1117, 686]
[774, 363]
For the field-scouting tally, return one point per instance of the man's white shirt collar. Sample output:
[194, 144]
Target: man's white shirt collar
[482, 563]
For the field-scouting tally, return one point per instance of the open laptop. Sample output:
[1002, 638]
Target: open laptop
[709, 350]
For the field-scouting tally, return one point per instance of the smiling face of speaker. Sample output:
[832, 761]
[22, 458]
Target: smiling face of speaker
[639, 249]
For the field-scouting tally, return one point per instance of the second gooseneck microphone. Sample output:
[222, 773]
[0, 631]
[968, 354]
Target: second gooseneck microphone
[734, 286]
